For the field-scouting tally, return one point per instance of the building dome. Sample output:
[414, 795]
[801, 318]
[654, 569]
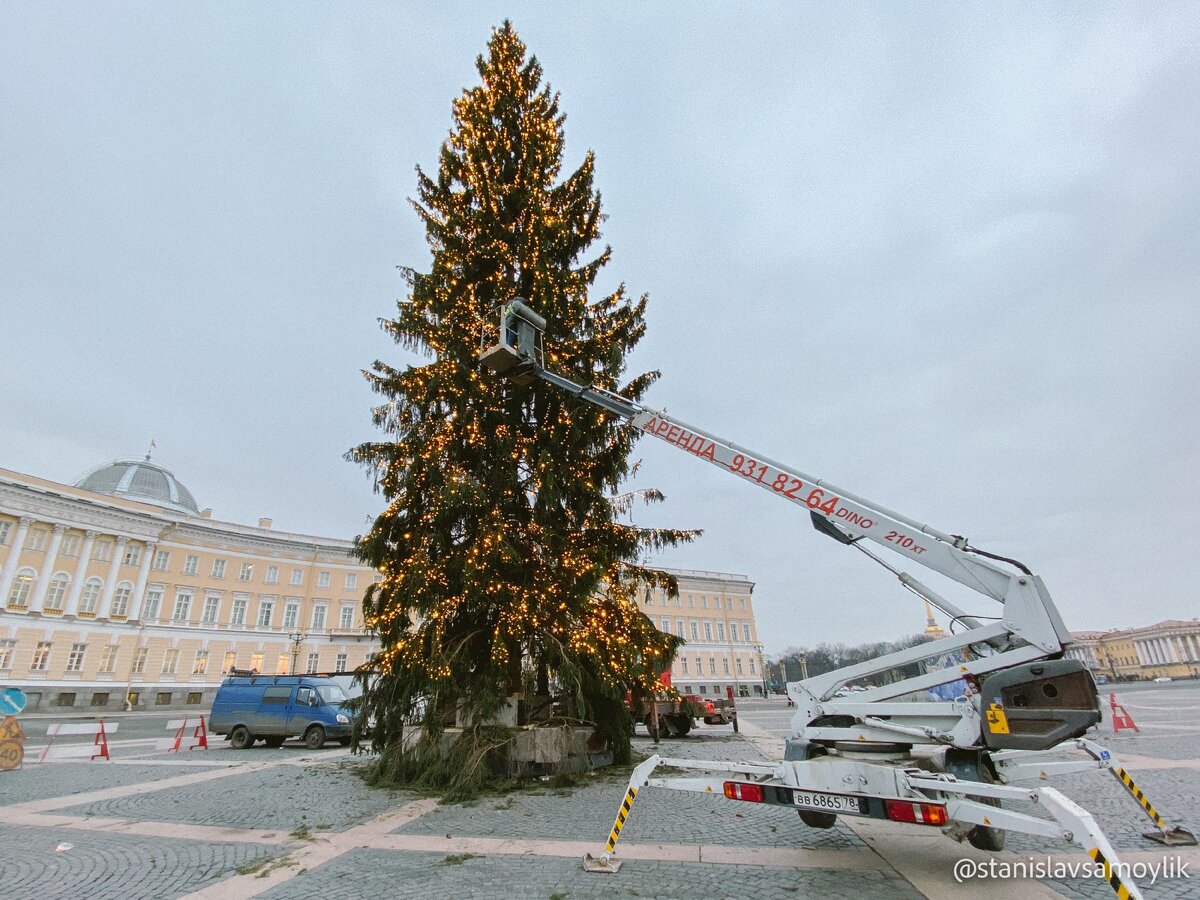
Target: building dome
[142, 480]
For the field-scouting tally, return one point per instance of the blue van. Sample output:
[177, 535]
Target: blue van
[273, 708]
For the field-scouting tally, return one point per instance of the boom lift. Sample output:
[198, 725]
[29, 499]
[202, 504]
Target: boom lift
[890, 751]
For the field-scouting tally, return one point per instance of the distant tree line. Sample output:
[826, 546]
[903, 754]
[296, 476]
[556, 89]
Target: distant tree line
[825, 657]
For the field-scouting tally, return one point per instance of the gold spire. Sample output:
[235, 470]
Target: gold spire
[932, 628]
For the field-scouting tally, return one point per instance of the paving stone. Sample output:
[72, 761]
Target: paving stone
[283, 797]
[365, 873]
[104, 866]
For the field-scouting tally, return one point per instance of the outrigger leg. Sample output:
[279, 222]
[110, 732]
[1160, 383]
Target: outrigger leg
[604, 862]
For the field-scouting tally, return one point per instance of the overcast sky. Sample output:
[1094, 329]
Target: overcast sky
[943, 255]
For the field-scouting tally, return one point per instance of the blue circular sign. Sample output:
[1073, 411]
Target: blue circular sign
[12, 701]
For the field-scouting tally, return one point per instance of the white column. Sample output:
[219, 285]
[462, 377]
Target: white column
[139, 589]
[14, 558]
[1163, 651]
[1141, 652]
[110, 583]
[1195, 647]
[80, 573]
[39, 593]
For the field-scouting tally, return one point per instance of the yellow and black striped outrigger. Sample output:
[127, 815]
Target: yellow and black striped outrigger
[1111, 875]
[1166, 834]
[605, 862]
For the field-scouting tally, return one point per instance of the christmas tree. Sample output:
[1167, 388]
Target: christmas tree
[502, 558]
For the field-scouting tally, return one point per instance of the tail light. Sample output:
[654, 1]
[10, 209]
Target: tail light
[738, 790]
[916, 813]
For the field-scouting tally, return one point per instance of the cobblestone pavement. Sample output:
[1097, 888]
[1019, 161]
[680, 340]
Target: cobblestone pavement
[292, 822]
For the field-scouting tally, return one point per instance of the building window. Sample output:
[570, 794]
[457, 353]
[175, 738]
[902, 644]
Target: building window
[90, 596]
[7, 649]
[256, 662]
[139, 661]
[703, 602]
[120, 602]
[70, 545]
[678, 600]
[743, 604]
[21, 589]
[108, 658]
[246, 572]
[183, 607]
[281, 664]
[733, 632]
[5, 528]
[695, 631]
[346, 619]
[685, 666]
[311, 667]
[36, 540]
[291, 615]
[265, 609]
[691, 601]
[739, 667]
[679, 627]
[230, 661]
[272, 575]
[699, 666]
[712, 665]
[162, 698]
[193, 697]
[238, 615]
[102, 551]
[218, 568]
[752, 671]
[41, 657]
[323, 580]
[170, 661]
[162, 559]
[57, 592]
[725, 665]
[191, 564]
[351, 581]
[64, 700]
[132, 555]
[99, 699]
[212, 606]
[297, 576]
[665, 626]
[75, 657]
[318, 617]
[746, 632]
[708, 631]
[721, 632]
[200, 663]
[340, 665]
[154, 598]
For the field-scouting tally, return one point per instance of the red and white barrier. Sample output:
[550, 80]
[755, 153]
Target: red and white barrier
[197, 740]
[1120, 717]
[97, 749]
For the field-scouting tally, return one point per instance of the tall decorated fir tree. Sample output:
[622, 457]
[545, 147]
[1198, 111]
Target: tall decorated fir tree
[503, 561]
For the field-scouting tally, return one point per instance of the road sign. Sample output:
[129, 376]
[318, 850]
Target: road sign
[11, 754]
[11, 730]
[12, 701]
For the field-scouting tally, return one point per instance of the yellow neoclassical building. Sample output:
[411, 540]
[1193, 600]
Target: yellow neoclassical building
[119, 586]
[714, 614]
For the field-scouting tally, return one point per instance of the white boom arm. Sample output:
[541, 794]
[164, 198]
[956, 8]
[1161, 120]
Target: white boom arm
[1030, 614]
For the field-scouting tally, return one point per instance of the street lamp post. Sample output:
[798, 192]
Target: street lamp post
[297, 638]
